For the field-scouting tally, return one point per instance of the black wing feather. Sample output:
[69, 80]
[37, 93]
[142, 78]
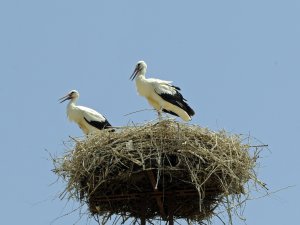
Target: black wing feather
[177, 88]
[177, 100]
[99, 125]
[170, 112]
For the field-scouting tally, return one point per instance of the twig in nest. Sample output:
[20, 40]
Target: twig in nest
[138, 111]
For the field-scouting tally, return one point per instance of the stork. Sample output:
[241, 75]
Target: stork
[161, 94]
[88, 120]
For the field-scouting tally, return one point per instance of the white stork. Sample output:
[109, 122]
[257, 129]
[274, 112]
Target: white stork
[88, 120]
[161, 94]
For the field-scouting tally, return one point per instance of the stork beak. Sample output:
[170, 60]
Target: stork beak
[136, 70]
[65, 98]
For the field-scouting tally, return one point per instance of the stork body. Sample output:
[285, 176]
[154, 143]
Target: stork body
[89, 120]
[161, 94]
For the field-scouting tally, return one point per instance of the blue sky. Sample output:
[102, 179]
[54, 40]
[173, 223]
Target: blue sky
[236, 61]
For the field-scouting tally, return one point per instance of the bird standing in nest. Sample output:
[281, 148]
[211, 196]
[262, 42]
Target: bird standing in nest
[88, 120]
[161, 94]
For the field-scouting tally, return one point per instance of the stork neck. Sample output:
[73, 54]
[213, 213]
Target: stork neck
[72, 102]
[141, 74]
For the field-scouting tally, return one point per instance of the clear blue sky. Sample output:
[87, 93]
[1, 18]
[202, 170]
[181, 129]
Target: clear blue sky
[237, 62]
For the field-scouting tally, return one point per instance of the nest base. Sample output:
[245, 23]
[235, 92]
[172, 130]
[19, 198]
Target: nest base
[171, 199]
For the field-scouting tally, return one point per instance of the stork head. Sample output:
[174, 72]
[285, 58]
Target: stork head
[70, 96]
[140, 68]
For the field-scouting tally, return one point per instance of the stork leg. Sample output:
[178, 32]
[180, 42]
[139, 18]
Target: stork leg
[159, 112]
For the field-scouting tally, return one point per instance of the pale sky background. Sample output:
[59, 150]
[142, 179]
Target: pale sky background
[237, 62]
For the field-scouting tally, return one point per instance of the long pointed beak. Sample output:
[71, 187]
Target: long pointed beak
[65, 98]
[133, 75]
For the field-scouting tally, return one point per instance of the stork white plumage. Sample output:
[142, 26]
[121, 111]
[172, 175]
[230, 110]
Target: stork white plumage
[161, 94]
[89, 120]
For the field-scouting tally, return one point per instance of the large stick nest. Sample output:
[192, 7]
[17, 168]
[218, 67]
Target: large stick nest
[157, 170]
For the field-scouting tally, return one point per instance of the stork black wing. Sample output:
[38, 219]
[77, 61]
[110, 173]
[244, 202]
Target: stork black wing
[100, 125]
[177, 88]
[178, 100]
[170, 112]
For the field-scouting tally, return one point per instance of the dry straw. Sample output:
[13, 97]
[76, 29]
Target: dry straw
[158, 170]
